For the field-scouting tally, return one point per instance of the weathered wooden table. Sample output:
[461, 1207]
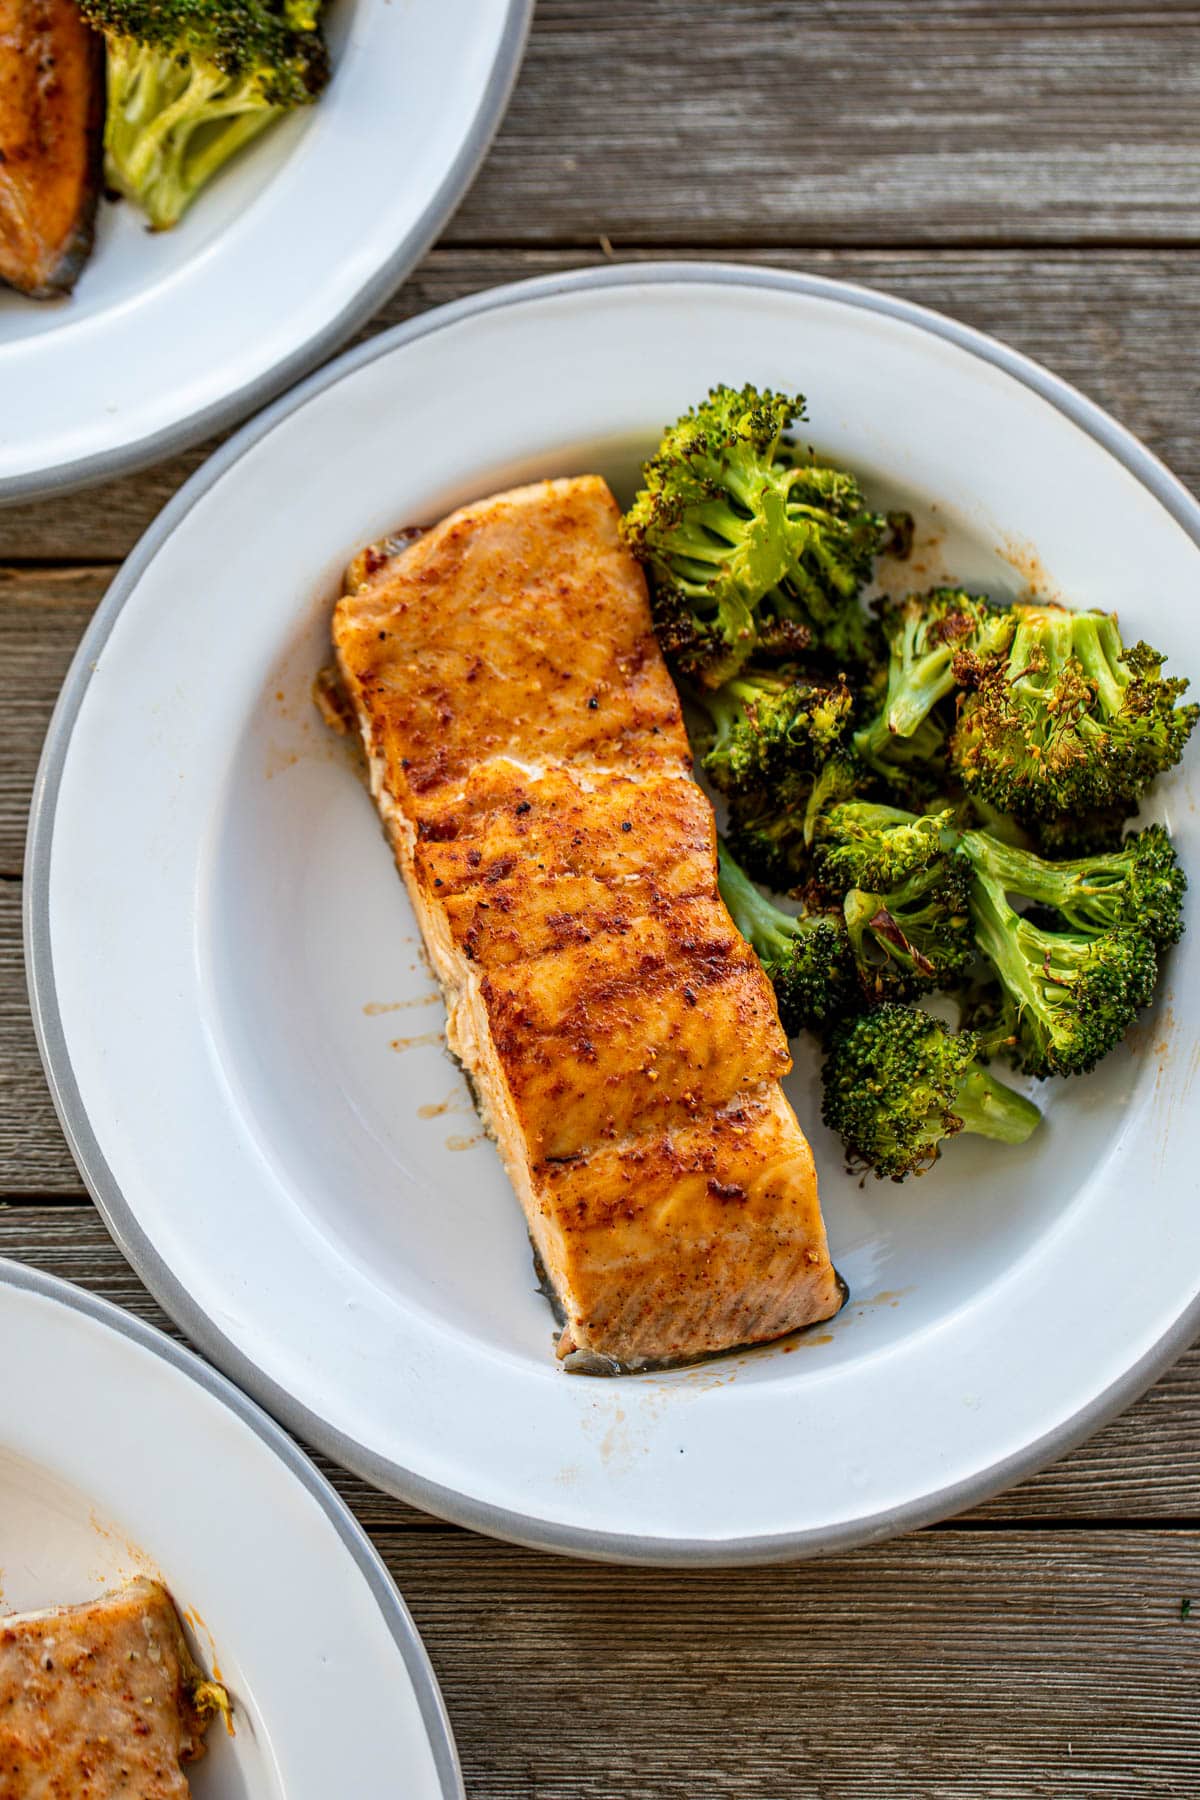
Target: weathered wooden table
[1036, 171]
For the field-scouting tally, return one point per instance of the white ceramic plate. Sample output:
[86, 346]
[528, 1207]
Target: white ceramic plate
[244, 1042]
[169, 336]
[122, 1455]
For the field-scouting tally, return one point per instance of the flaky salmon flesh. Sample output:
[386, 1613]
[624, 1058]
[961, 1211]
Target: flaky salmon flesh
[528, 756]
[102, 1701]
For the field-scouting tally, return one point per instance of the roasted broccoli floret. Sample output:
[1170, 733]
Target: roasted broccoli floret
[935, 642]
[807, 958]
[191, 81]
[765, 721]
[1067, 720]
[842, 779]
[765, 829]
[1085, 833]
[914, 936]
[1140, 885]
[862, 844]
[772, 827]
[1070, 996]
[898, 1084]
[748, 543]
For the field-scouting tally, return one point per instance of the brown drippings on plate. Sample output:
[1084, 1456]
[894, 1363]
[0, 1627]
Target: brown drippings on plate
[414, 1043]
[374, 1008]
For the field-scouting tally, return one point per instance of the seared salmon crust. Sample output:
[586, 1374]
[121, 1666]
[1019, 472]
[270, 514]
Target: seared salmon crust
[101, 1701]
[529, 759]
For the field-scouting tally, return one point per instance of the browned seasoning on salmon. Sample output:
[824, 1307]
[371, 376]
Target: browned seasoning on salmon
[102, 1700]
[51, 117]
[529, 759]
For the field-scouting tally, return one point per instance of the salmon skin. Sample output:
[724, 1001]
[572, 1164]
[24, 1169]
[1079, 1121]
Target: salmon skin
[51, 120]
[102, 1700]
[529, 760]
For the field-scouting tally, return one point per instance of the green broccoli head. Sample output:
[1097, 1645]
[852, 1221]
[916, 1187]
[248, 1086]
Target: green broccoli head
[838, 781]
[935, 642]
[915, 936]
[1139, 885]
[765, 829]
[861, 844]
[765, 721]
[1069, 996]
[897, 1084]
[747, 543]
[1066, 721]
[773, 827]
[1085, 833]
[191, 81]
[807, 957]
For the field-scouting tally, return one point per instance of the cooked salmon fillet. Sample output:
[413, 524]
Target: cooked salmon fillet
[529, 759]
[51, 125]
[101, 1700]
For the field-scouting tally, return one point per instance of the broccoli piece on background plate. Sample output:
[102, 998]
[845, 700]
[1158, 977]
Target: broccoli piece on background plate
[747, 543]
[762, 722]
[807, 958]
[1069, 996]
[192, 81]
[897, 1084]
[936, 642]
[1067, 720]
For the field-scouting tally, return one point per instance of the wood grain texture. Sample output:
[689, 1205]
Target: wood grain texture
[848, 121]
[984, 1666]
[33, 1154]
[1123, 326]
[43, 613]
[1142, 1466]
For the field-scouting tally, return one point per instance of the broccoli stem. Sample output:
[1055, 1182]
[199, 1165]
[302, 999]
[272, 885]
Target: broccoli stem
[1097, 647]
[990, 1109]
[1022, 871]
[756, 917]
[252, 117]
[1087, 890]
[999, 933]
[154, 138]
[882, 743]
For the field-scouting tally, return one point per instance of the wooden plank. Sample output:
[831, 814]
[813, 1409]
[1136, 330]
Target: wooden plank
[1124, 326]
[852, 121]
[33, 1154]
[1143, 1466]
[986, 1666]
[43, 613]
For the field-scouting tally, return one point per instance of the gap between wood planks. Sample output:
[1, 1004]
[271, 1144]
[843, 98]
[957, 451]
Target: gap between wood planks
[617, 246]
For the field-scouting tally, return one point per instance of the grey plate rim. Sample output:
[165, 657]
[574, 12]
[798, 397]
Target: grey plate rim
[105, 465]
[406, 1484]
[399, 1621]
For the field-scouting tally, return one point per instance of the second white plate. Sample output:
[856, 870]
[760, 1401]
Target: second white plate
[245, 1044]
[172, 335]
[123, 1455]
